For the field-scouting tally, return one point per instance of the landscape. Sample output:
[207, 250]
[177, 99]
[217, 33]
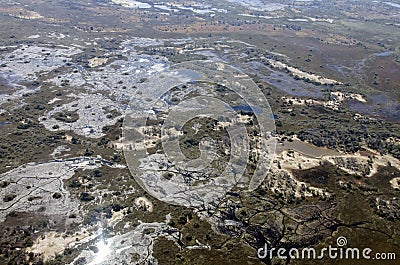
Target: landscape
[199, 132]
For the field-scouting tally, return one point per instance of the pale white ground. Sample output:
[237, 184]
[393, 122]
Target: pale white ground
[52, 101]
[301, 74]
[395, 183]
[300, 101]
[337, 98]
[335, 102]
[54, 243]
[297, 19]
[59, 150]
[131, 3]
[106, 90]
[21, 90]
[279, 54]
[166, 8]
[116, 218]
[392, 4]
[141, 42]
[299, 155]
[25, 63]
[383, 160]
[45, 179]
[102, 90]
[258, 16]
[76, 80]
[27, 14]
[91, 109]
[40, 181]
[119, 249]
[144, 203]
[241, 42]
[351, 163]
[58, 36]
[282, 180]
[195, 7]
[314, 19]
[34, 36]
[393, 141]
[94, 62]
[259, 5]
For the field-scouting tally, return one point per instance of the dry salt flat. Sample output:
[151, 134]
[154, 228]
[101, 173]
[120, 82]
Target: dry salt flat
[39, 186]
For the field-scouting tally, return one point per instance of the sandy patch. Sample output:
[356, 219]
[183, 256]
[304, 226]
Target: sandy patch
[395, 183]
[52, 101]
[300, 102]
[144, 203]
[116, 218]
[296, 72]
[54, 243]
[29, 15]
[94, 62]
[340, 96]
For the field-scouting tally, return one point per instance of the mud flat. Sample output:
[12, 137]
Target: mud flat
[306, 149]
[92, 115]
[54, 243]
[39, 187]
[136, 244]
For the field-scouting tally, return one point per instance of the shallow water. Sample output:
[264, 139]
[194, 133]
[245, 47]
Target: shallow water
[4, 123]
[7, 84]
[380, 105]
[247, 108]
[383, 54]
[291, 86]
[287, 83]
[306, 149]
